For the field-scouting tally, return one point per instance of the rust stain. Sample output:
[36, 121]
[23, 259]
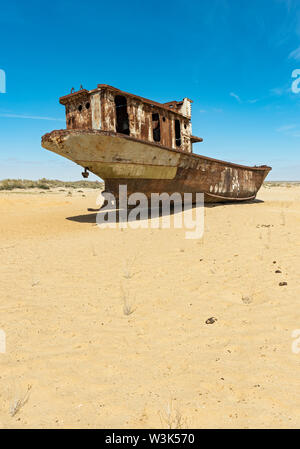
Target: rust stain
[140, 112]
[113, 132]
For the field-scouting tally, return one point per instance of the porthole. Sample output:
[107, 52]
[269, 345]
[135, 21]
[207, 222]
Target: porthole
[87, 105]
[79, 108]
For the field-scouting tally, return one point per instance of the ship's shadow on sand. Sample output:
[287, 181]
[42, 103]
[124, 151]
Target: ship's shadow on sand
[118, 215]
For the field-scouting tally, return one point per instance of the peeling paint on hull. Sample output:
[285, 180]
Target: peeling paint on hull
[152, 168]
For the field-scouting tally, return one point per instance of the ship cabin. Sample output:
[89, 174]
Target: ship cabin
[109, 109]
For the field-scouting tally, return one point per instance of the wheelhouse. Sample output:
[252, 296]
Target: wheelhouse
[109, 109]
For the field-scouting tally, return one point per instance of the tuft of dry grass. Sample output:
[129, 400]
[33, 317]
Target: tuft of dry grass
[127, 307]
[128, 269]
[17, 404]
[172, 418]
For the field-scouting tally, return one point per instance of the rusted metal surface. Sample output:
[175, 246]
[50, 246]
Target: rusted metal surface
[102, 115]
[153, 168]
[78, 110]
[127, 139]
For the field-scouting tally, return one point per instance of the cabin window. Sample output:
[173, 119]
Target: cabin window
[177, 133]
[122, 122]
[80, 108]
[87, 105]
[156, 127]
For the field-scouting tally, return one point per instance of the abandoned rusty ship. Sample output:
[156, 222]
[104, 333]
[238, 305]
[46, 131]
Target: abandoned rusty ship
[129, 140]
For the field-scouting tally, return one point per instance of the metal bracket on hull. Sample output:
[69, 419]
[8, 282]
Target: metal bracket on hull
[85, 173]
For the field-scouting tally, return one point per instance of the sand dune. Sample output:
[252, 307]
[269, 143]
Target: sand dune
[64, 283]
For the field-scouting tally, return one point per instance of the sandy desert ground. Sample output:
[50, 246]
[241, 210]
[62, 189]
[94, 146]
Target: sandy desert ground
[107, 328]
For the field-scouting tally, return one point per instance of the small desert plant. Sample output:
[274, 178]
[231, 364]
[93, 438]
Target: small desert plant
[17, 404]
[10, 184]
[127, 307]
[172, 419]
[43, 186]
[128, 272]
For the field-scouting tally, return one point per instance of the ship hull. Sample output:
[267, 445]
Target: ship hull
[152, 168]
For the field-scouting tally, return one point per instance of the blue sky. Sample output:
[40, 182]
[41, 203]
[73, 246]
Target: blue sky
[234, 58]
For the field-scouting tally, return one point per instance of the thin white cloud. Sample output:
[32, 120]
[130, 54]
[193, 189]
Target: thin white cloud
[289, 130]
[279, 91]
[284, 128]
[232, 94]
[31, 117]
[276, 91]
[238, 98]
[295, 54]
